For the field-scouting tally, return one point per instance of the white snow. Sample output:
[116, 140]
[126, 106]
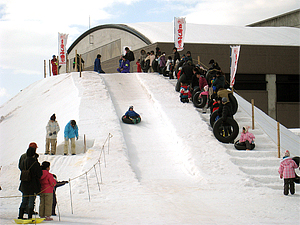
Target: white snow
[168, 169]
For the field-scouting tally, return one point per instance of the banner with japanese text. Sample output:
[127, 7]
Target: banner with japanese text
[179, 32]
[234, 56]
[62, 49]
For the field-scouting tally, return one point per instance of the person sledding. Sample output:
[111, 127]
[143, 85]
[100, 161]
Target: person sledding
[131, 116]
[246, 141]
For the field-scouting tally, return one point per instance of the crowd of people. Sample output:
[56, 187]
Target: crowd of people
[37, 180]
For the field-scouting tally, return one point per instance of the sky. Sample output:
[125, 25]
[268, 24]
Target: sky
[29, 29]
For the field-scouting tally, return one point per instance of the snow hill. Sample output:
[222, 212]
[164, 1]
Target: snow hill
[168, 169]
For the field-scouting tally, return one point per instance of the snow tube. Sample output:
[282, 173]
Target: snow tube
[242, 146]
[234, 103]
[213, 117]
[297, 178]
[131, 120]
[199, 100]
[226, 131]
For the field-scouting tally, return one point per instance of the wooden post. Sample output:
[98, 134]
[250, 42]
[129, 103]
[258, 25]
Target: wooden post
[198, 60]
[278, 138]
[76, 61]
[57, 60]
[84, 143]
[45, 67]
[79, 65]
[252, 103]
[49, 68]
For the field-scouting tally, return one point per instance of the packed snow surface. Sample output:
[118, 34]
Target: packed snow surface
[168, 169]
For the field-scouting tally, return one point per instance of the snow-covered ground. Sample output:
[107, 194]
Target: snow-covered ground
[168, 169]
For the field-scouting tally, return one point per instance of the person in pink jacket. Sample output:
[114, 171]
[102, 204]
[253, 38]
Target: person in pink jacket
[247, 138]
[46, 195]
[287, 172]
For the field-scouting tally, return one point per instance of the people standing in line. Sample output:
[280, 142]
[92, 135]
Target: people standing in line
[97, 64]
[70, 132]
[162, 62]
[129, 56]
[58, 184]
[186, 75]
[54, 64]
[46, 196]
[143, 59]
[147, 63]
[125, 66]
[176, 56]
[29, 188]
[287, 172]
[152, 58]
[138, 66]
[52, 129]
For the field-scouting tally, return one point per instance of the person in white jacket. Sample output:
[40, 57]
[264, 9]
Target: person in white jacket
[52, 129]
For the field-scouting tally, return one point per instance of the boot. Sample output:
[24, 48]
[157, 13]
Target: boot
[30, 212]
[21, 213]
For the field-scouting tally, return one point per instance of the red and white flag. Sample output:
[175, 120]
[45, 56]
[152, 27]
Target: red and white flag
[234, 56]
[62, 49]
[179, 32]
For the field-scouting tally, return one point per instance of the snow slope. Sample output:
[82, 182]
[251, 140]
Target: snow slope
[169, 169]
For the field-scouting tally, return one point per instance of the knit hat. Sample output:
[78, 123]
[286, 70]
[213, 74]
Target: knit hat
[287, 153]
[130, 107]
[33, 145]
[224, 99]
[53, 117]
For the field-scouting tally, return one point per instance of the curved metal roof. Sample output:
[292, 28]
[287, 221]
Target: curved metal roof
[113, 26]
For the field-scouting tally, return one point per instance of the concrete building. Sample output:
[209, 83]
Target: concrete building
[268, 67]
[289, 19]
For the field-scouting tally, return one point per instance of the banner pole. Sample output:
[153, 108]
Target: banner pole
[45, 73]
[252, 103]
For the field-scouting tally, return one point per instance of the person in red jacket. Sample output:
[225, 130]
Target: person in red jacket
[54, 64]
[287, 172]
[46, 195]
[139, 67]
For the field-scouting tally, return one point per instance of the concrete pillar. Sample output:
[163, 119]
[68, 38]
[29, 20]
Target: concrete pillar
[272, 98]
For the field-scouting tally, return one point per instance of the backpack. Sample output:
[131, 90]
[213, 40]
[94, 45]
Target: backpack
[25, 174]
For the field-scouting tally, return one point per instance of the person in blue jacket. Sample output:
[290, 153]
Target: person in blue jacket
[125, 66]
[132, 115]
[97, 64]
[71, 131]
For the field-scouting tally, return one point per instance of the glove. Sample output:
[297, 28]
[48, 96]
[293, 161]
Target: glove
[50, 134]
[214, 88]
[76, 138]
[54, 132]
[281, 176]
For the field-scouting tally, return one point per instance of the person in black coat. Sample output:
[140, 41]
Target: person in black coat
[176, 55]
[186, 75]
[226, 112]
[30, 188]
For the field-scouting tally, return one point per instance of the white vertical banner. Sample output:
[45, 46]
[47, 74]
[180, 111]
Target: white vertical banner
[62, 49]
[179, 32]
[234, 56]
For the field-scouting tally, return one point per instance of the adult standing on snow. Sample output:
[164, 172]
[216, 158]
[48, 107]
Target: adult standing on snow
[287, 172]
[54, 64]
[129, 56]
[97, 64]
[30, 188]
[71, 131]
[52, 129]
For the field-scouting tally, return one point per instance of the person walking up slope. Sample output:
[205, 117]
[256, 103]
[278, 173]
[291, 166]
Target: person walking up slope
[287, 172]
[71, 131]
